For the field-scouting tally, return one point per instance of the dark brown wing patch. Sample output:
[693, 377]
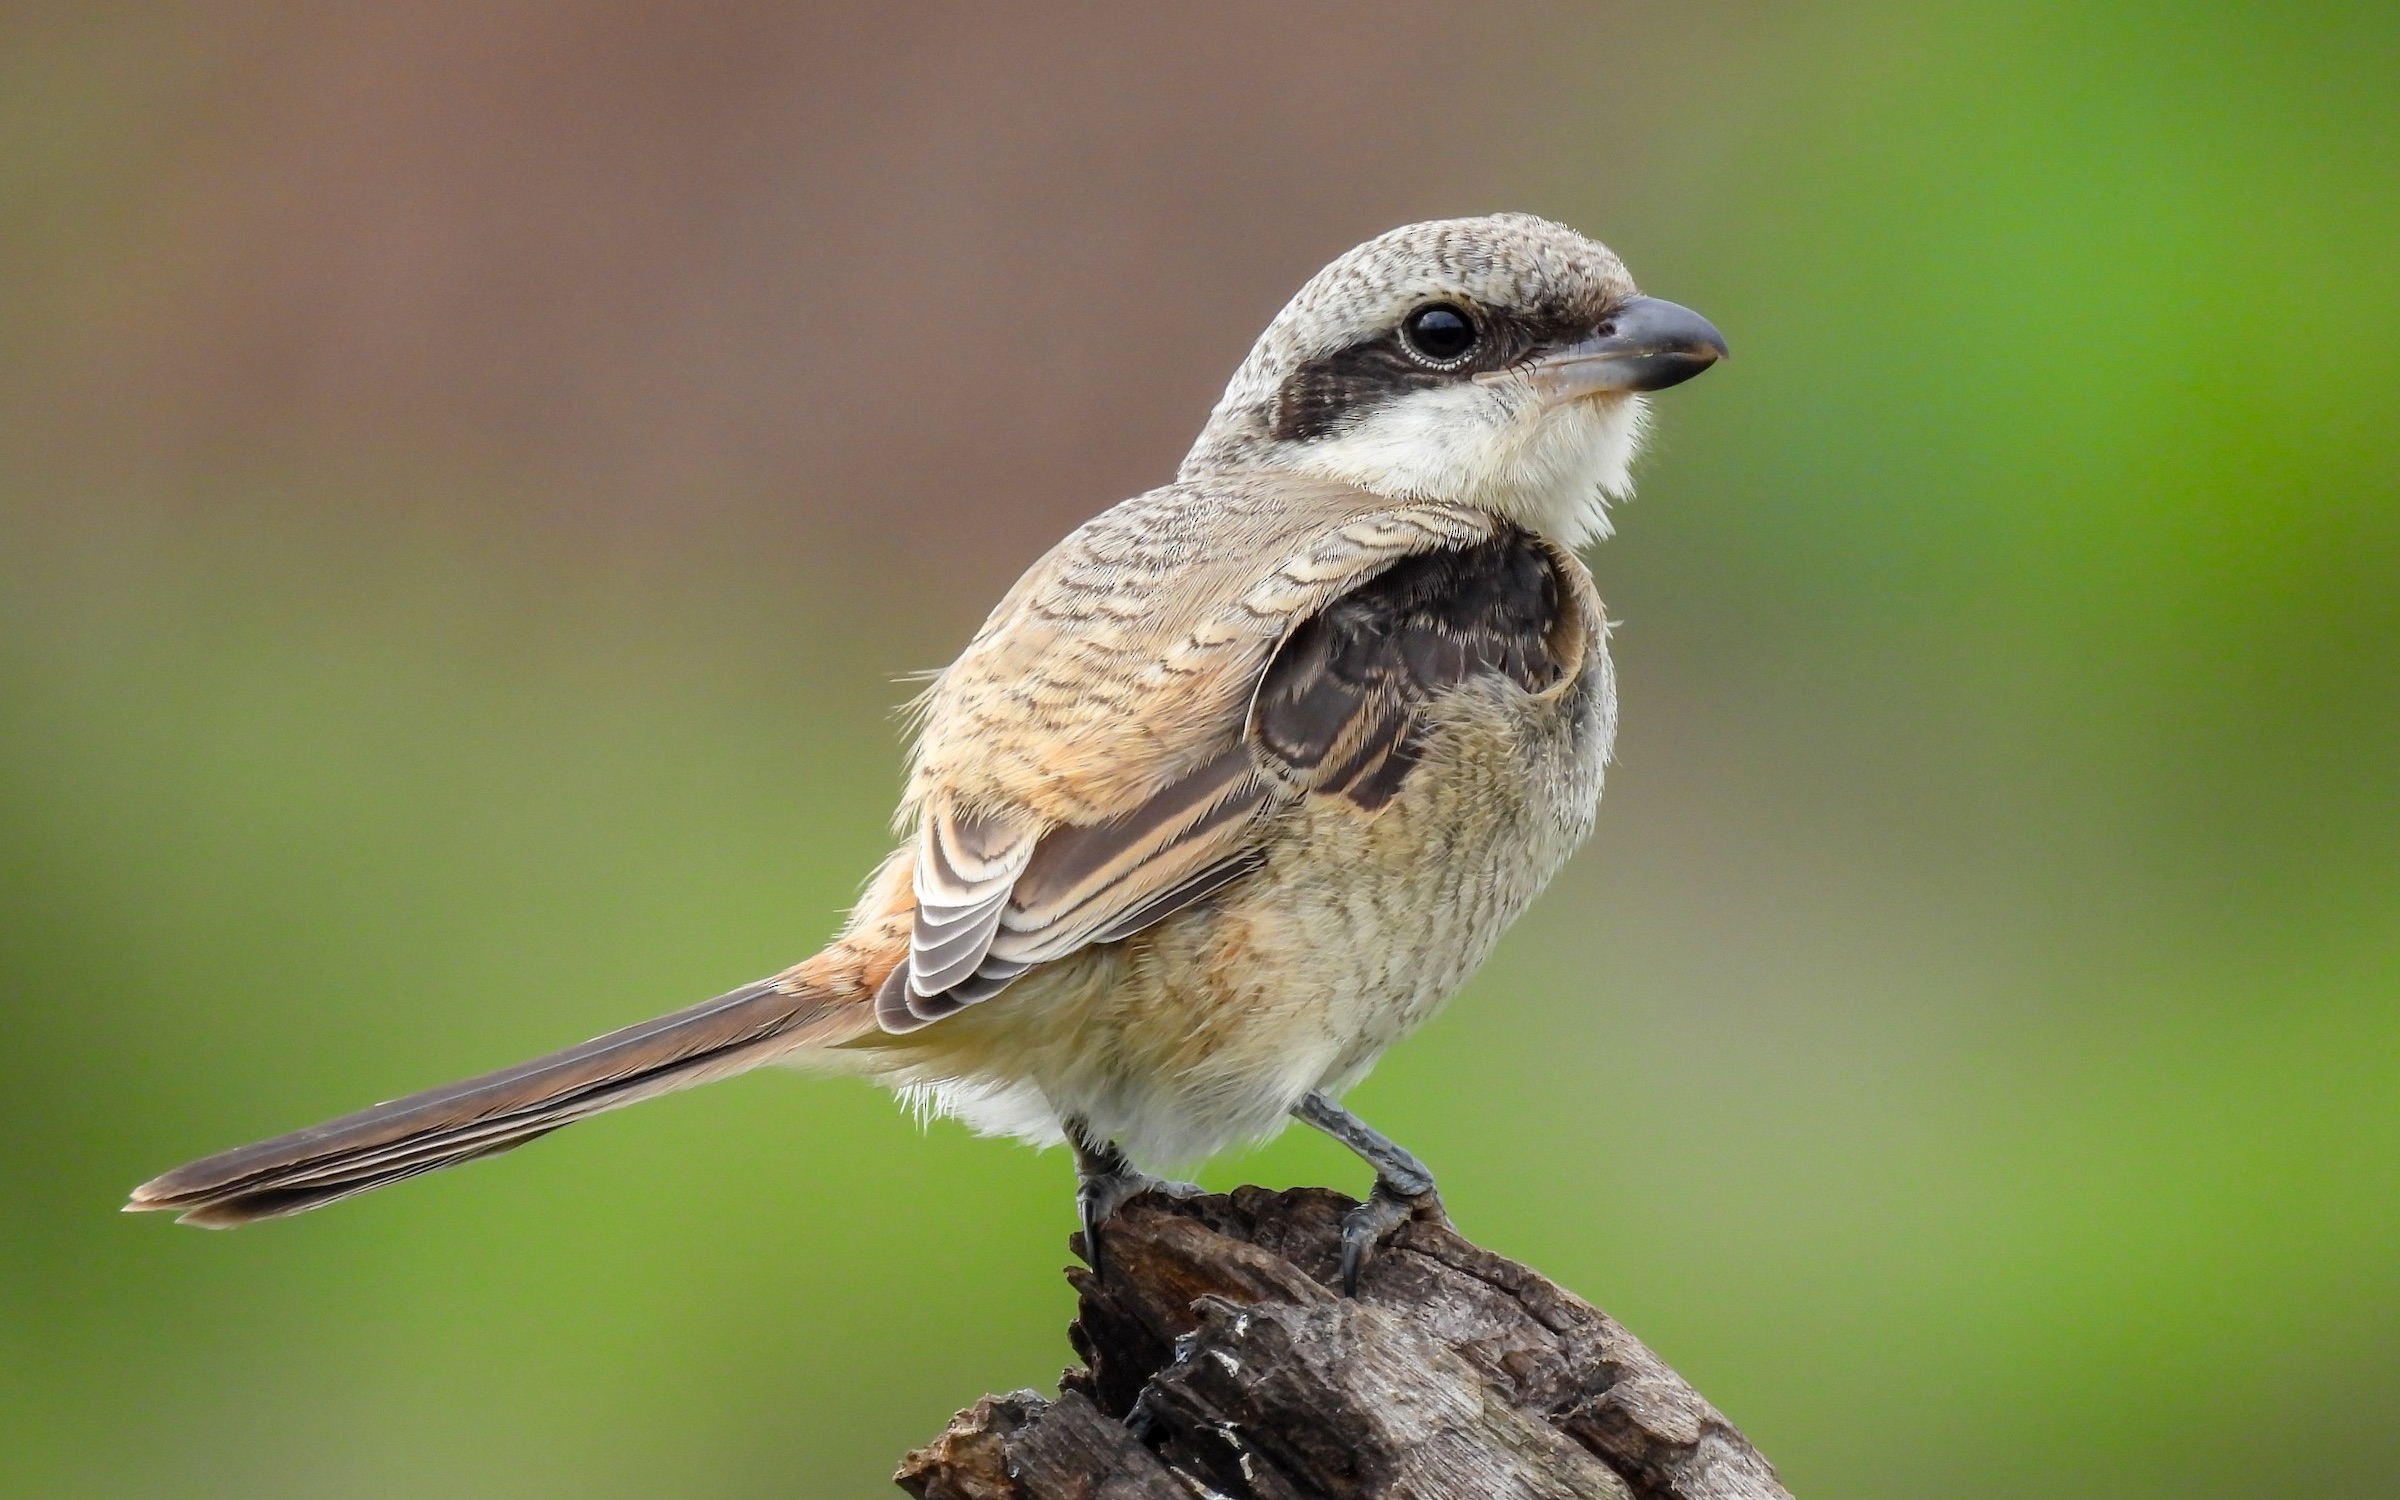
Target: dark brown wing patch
[1338, 709]
[1337, 712]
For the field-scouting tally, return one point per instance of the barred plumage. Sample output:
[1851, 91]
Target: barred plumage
[1233, 788]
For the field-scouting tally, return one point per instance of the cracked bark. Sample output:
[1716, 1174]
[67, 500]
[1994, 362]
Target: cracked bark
[1218, 1362]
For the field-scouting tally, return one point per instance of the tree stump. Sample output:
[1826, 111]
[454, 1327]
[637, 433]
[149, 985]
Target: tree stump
[1221, 1364]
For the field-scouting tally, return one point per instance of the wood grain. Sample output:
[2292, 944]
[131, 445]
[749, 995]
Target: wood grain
[1218, 1361]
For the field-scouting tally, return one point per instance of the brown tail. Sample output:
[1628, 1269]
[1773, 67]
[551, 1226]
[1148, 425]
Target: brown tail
[442, 1127]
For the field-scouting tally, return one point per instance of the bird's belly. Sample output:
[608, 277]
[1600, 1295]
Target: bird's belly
[1203, 1031]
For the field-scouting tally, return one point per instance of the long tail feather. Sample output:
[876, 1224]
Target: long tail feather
[500, 1111]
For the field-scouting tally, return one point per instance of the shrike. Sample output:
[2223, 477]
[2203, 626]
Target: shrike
[1233, 789]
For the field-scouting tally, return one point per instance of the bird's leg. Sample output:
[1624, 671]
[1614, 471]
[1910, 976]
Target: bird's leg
[1104, 1179]
[1403, 1188]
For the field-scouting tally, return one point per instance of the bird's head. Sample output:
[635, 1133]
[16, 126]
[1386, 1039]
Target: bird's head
[1497, 362]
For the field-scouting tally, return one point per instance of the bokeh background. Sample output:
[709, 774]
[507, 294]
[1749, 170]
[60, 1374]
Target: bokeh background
[471, 475]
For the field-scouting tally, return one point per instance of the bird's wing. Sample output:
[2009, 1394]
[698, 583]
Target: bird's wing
[1102, 753]
[1337, 712]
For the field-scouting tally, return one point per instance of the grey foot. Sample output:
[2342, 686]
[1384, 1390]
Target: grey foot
[1403, 1188]
[1385, 1210]
[1104, 1181]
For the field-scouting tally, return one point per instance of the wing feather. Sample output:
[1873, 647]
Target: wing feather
[965, 868]
[1082, 879]
[1136, 710]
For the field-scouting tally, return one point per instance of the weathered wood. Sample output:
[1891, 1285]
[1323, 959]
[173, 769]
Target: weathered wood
[1219, 1362]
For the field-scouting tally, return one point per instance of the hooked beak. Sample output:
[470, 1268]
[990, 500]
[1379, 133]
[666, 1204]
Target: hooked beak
[1646, 345]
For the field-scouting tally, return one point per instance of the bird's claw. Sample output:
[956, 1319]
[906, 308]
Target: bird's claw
[1385, 1210]
[1099, 1195]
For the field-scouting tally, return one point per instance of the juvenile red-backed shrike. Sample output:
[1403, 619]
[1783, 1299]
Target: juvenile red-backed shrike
[1233, 789]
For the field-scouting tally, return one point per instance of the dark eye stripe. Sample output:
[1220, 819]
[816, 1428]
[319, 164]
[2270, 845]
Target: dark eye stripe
[1328, 392]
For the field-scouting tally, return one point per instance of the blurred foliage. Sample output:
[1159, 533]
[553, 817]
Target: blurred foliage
[1970, 1051]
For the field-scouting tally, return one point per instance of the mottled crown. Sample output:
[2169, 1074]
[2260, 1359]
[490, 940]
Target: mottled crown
[1539, 280]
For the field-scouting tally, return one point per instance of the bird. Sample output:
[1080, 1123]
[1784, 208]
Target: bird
[1231, 791]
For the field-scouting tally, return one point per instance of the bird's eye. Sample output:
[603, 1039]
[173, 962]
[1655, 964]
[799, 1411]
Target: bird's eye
[1438, 334]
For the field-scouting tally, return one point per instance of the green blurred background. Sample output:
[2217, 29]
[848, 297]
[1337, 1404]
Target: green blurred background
[471, 475]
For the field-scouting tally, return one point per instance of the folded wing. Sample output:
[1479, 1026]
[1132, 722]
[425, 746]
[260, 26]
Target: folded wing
[1318, 674]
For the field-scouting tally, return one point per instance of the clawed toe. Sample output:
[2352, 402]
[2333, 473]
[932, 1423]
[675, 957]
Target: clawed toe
[1097, 1199]
[1403, 1188]
[1099, 1194]
[1364, 1227]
